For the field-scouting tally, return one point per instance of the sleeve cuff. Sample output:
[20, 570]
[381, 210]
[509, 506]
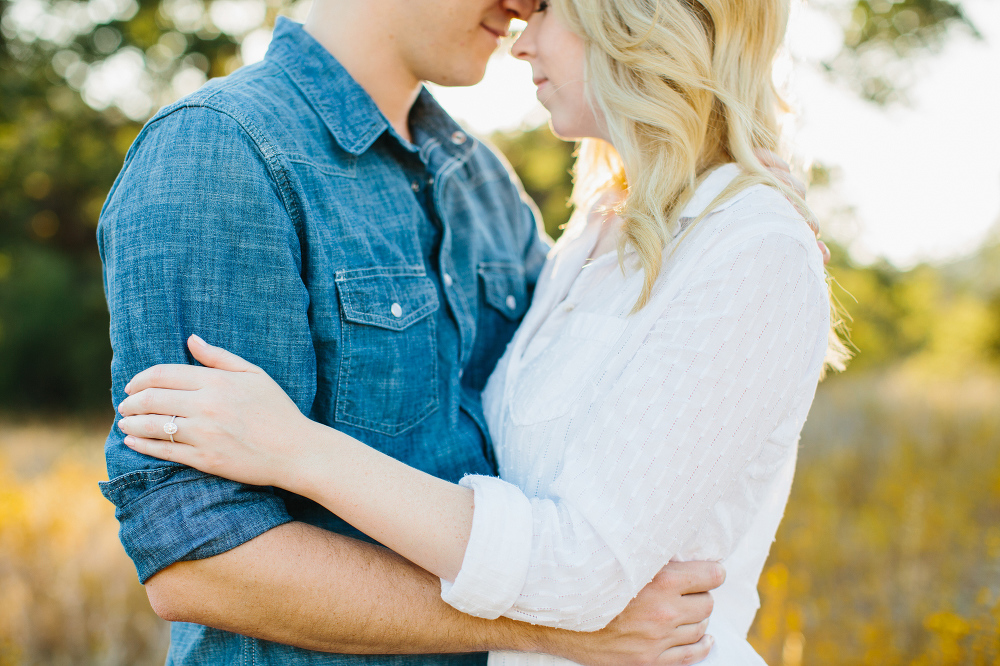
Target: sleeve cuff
[172, 514]
[496, 560]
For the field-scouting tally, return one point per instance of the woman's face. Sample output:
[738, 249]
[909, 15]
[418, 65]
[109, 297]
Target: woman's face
[556, 56]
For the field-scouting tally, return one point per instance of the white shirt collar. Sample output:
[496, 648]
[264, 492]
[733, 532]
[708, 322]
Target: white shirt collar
[711, 187]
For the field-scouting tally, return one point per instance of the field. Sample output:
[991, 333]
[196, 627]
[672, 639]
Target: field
[889, 552]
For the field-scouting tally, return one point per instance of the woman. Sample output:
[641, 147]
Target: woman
[649, 406]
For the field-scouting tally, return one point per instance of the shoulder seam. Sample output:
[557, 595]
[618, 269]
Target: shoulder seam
[271, 156]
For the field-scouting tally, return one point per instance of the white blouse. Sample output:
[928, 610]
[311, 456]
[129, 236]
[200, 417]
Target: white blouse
[625, 441]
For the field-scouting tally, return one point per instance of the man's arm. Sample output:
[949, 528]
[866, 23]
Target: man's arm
[196, 238]
[300, 585]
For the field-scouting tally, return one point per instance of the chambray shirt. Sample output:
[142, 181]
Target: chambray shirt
[277, 214]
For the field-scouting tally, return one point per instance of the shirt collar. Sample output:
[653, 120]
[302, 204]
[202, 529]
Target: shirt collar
[346, 108]
[711, 187]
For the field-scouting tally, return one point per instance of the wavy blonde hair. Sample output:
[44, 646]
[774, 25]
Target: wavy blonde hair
[684, 86]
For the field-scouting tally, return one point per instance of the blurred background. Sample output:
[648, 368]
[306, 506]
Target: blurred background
[890, 549]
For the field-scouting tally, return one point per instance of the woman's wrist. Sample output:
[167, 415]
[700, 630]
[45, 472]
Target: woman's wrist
[303, 471]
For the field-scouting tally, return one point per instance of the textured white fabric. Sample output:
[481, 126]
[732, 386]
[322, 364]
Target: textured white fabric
[670, 434]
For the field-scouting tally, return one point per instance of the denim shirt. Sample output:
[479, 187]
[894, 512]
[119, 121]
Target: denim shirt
[277, 214]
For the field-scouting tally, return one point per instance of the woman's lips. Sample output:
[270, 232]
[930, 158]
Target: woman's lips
[542, 85]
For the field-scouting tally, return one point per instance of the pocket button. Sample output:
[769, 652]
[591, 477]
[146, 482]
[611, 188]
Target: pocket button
[396, 310]
[511, 302]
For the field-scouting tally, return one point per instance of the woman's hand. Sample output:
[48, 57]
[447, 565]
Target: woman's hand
[232, 419]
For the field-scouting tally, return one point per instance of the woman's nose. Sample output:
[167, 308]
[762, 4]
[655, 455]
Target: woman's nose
[524, 47]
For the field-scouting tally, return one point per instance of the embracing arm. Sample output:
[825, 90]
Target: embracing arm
[303, 586]
[220, 255]
[734, 344]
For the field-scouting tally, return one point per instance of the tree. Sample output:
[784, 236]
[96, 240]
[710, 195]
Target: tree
[77, 79]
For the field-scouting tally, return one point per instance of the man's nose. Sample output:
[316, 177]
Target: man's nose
[519, 8]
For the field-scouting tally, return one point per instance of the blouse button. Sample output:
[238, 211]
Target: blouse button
[447, 280]
[511, 302]
[397, 310]
[569, 307]
[458, 138]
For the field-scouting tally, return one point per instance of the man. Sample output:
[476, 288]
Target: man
[321, 216]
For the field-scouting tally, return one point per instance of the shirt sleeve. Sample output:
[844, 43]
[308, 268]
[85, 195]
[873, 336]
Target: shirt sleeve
[196, 237]
[682, 433]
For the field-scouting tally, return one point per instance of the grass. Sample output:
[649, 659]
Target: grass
[889, 552]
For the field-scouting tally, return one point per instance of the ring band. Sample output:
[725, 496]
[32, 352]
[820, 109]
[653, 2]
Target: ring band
[170, 428]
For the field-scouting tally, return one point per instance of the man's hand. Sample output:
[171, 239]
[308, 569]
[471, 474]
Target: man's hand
[664, 625]
[779, 169]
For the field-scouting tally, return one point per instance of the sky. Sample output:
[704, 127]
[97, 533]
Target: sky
[914, 182]
[923, 179]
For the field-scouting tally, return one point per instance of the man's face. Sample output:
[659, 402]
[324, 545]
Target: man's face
[449, 42]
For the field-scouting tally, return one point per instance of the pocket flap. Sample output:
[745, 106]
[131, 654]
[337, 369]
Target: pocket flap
[390, 298]
[505, 290]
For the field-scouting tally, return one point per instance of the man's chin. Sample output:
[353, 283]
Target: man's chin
[467, 76]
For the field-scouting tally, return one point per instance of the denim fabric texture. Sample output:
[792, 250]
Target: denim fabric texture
[276, 213]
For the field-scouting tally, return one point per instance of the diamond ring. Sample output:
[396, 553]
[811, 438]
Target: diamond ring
[170, 428]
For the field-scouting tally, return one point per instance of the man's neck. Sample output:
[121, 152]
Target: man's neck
[347, 31]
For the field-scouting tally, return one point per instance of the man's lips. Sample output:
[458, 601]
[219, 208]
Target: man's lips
[499, 33]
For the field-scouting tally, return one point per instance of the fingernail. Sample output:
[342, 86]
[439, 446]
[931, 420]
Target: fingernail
[130, 441]
[128, 388]
[121, 423]
[121, 408]
[711, 640]
[198, 341]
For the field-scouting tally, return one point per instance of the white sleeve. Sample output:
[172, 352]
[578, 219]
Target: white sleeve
[677, 435]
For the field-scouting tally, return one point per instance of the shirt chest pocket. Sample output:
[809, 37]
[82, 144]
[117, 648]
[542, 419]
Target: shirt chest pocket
[564, 373]
[388, 366]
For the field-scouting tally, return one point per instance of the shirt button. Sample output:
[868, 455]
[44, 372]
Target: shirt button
[415, 185]
[430, 181]
[397, 310]
[458, 138]
[511, 302]
[447, 280]
[569, 307]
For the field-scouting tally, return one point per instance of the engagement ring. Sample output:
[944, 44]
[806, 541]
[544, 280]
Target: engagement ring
[170, 428]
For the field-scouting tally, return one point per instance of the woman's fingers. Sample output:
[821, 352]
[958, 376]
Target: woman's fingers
[217, 357]
[150, 426]
[157, 401]
[169, 451]
[170, 376]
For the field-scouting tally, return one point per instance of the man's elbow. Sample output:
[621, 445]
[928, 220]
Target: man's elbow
[169, 595]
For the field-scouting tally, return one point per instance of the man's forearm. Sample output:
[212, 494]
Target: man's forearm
[303, 586]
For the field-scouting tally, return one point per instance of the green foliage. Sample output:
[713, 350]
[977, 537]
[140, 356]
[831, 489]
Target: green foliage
[64, 135]
[879, 35]
[543, 163]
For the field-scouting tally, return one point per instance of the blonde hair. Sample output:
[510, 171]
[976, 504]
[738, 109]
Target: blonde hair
[684, 86]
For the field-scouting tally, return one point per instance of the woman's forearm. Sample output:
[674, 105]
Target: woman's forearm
[421, 517]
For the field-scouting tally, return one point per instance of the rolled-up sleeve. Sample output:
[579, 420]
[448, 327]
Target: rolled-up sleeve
[196, 237]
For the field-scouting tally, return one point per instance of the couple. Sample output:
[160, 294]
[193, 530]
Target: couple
[320, 216]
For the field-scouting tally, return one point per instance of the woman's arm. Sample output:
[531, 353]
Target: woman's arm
[716, 376]
[240, 425]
